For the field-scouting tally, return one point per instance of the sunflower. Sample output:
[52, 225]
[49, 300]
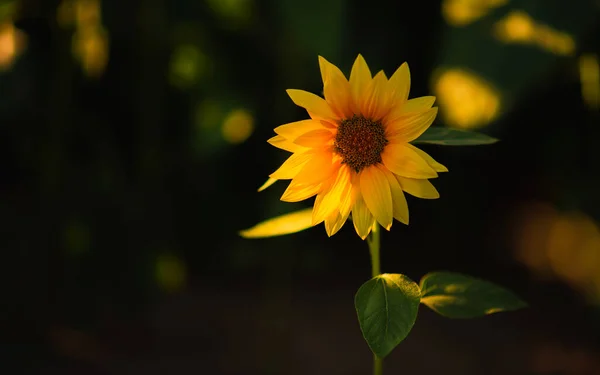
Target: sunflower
[354, 153]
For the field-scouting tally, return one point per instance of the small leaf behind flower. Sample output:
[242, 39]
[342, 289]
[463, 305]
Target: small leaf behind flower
[453, 137]
[455, 295]
[280, 225]
[387, 307]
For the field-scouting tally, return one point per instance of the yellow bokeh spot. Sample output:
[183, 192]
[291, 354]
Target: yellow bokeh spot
[565, 246]
[237, 126]
[237, 12]
[466, 101]
[171, 273]
[589, 73]
[90, 46]
[12, 43]
[90, 43]
[464, 12]
[519, 27]
[79, 13]
[187, 65]
[87, 12]
[281, 225]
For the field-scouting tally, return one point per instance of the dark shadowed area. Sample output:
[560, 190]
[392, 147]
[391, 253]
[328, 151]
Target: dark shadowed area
[133, 140]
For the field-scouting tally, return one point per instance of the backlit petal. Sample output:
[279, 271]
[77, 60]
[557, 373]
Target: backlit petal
[352, 193]
[315, 138]
[285, 144]
[336, 89]
[296, 192]
[360, 81]
[313, 104]
[376, 105]
[376, 193]
[399, 85]
[362, 218]
[402, 160]
[431, 161]
[267, 183]
[420, 188]
[411, 106]
[409, 128]
[418, 104]
[331, 200]
[398, 198]
[292, 166]
[330, 223]
[320, 167]
[293, 130]
[340, 221]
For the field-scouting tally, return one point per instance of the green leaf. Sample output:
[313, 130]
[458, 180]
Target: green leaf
[387, 308]
[454, 137]
[455, 295]
[280, 225]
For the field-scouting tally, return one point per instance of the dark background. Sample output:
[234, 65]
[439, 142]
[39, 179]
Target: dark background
[133, 139]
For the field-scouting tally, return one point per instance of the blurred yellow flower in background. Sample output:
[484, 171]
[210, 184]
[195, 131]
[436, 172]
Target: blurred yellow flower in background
[354, 153]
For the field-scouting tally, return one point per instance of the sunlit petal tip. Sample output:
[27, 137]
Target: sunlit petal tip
[377, 195]
[323, 63]
[420, 188]
[314, 104]
[360, 68]
[268, 183]
[407, 161]
[285, 224]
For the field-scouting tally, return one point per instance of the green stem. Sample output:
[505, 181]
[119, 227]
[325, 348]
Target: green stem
[374, 245]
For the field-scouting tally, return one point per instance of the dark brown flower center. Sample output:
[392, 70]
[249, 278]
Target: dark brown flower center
[360, 142]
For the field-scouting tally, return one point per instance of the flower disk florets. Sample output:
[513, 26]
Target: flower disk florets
[360, 142]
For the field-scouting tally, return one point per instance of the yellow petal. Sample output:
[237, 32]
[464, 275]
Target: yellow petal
[328, 124]
[399, 85]
[353, 192]
[330, 223]
[336, 89]
[398, 198]
[341, 220]
[268, 183]
[418, 188]
[293, 130]
[418, 104]
[431, 161]
[313, 104]
[376, 193]
[296, 192]
[292, 166]
[280, 225]
[360, 81]
[411, 106]
[376, 106]
[332, 198]
[285, 144]
[402, 160]
[320, 167]
[362, 218]
[409, 128]
[315, 138]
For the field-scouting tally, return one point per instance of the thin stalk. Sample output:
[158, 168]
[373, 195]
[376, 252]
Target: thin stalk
[374, 245]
